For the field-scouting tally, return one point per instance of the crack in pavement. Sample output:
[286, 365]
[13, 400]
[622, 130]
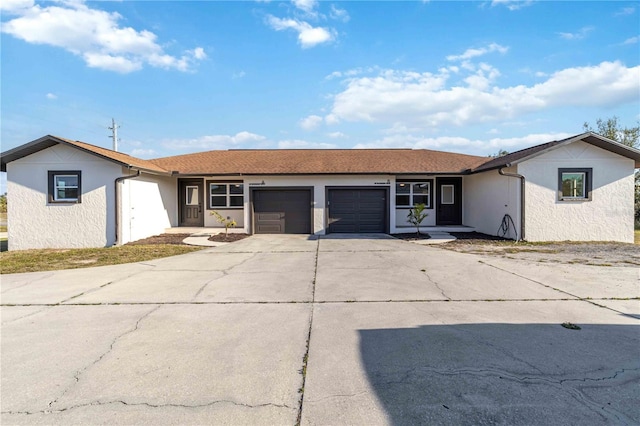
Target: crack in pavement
[432, 281]
[408, 378]
[94, 289]
[583, 299]
[80, 372]
[27, 283]
[351, 395]
[148, 404]
[45, 308]
[225, 272]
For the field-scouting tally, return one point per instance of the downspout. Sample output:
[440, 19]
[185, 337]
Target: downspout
[522, 196]
[117, 188]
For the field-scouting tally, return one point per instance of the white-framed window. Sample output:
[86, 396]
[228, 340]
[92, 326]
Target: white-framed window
[574, 184]
[408, 194]
[65, 186]
[225, 194]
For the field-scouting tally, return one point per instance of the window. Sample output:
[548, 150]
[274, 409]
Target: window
[65, 186]
[574, 184]
[226, 195]
[447, 194]
[408, 194]
[192, 195]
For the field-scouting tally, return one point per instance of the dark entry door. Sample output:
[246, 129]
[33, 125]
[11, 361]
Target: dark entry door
[282, 211]
[449, 201]
[191, 203]
[357, 210]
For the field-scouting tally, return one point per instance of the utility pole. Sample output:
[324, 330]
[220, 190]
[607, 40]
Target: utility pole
[114, 134]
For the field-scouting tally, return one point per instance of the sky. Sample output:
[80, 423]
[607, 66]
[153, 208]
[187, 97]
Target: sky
[189, 76]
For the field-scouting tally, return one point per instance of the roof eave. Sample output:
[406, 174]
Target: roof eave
[48, 141]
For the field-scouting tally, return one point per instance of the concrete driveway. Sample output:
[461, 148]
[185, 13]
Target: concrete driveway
[288, 329]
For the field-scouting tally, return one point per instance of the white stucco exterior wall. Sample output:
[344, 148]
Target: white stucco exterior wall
[33, 222]
[148, 206]
[609, 214]
[487, 198]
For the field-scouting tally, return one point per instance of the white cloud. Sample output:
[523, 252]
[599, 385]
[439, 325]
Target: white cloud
[423, 100]
[339, 14]
[210, 142]
[352, 72]
[632, 40]
[311, 122]
[305, 5]
[300, 144]
[512, 4]
[143, 153]
[462, 144]
[308, 36]
[237, 75]
[96, 36]
[51, 96]
[15, 6]
[472, 53]
[582, 33]
[198, 53]
[336, 135]
[625, 11]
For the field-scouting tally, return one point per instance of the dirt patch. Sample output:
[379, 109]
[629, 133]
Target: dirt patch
[161, 239]
[230, 238]
[412, 236]
[583, 253]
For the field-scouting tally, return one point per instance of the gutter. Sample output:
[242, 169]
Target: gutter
[117, 195]
[522, 196]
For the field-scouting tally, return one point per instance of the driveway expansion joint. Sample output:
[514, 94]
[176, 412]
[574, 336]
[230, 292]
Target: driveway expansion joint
[305, 359]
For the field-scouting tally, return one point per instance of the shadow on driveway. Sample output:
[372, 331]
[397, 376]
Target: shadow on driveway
[505, 373]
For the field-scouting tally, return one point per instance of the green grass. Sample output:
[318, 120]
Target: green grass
[12, 262]
[637, 236]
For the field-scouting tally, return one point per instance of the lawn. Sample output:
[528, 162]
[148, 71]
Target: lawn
[637, 236]
[54, 259]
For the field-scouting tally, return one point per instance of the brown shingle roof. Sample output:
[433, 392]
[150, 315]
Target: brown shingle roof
[119, 157]
[49, 141]
[319, 161]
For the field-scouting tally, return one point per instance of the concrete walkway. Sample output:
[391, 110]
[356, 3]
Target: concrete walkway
[363, 330]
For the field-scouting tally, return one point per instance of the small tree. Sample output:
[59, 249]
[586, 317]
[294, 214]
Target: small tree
[612, 128]
[416, 215]
[226, 221]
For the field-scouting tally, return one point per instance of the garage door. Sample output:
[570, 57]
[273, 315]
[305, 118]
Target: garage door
[357, 210]
[282, 211]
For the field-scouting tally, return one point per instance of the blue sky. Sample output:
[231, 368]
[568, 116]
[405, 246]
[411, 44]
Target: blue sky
[181, 77]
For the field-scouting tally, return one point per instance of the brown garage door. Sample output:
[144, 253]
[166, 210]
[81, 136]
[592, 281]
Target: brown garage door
[357, 210]
[282, 211]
